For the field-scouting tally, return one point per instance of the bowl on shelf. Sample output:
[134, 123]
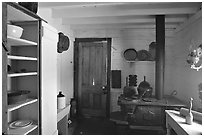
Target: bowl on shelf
[17, 96]
[14, 31]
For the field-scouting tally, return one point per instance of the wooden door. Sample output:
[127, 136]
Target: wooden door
[48, 67]
[92, 78]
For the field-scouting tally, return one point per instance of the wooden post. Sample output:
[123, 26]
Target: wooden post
[160, 56]
[4, 69]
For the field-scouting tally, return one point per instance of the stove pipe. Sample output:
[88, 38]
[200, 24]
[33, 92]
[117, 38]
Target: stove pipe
[160, 56]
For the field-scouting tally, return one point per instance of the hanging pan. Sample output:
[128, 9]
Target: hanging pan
[130, 54]
[143, 55]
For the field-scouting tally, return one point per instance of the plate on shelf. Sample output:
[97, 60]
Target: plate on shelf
[20, 123]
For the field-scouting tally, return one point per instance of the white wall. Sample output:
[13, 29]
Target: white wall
[178, 75]
[121, 40]
[64, 59]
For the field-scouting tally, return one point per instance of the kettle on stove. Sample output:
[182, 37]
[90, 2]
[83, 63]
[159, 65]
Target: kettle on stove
[144, 89]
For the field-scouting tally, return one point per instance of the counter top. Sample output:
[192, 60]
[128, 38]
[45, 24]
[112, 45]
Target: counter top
[177, 122]
[63, 112]
[167, 101]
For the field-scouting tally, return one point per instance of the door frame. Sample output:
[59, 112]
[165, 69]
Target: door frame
[76, 69]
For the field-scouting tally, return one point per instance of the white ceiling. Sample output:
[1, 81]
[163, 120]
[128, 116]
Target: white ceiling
[105, 15]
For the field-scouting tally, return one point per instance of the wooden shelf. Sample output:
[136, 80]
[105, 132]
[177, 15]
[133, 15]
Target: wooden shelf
[21, 58]
[22, 74]
[20, 42]
[21, 104]
[22, 131]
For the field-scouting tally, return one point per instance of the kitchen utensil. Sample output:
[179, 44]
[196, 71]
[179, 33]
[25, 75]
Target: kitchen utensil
[130, 54]
[16, 96]
[143, 55]
[61, 101]
[132, 80]
[20, 123]
[128, 91]
[152, 50]
[189, 116]
[144, 89]
[63, 43]
[197, 116]
[14, 31]
[144, 92]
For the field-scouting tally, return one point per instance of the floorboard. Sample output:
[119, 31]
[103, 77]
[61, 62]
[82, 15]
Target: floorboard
[103, 126]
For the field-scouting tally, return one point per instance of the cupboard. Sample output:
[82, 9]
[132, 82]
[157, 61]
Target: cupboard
[32, 62]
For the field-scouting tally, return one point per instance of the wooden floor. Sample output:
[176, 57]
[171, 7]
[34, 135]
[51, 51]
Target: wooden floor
[102, 126]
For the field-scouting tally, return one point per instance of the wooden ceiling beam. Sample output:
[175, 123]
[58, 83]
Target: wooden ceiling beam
[118, 20]
[58, 5]
[107, 12]
[122, 5]
[121, 26]
[119, 5]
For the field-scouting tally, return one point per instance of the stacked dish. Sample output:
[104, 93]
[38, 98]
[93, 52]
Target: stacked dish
[14, 31]
[20, 123]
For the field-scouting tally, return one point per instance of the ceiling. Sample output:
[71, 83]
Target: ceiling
[120, 15]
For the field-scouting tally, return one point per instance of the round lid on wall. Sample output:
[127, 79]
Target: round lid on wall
[130, 54]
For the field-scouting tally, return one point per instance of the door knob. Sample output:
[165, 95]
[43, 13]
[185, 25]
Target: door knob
[104, 88]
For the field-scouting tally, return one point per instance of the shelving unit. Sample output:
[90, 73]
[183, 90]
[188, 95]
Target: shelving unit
[23, 53]
[32, 61]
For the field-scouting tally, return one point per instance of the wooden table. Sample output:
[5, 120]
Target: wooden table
[177, 123]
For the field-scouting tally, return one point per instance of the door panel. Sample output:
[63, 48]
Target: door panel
[49, 80]
[92, 77]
